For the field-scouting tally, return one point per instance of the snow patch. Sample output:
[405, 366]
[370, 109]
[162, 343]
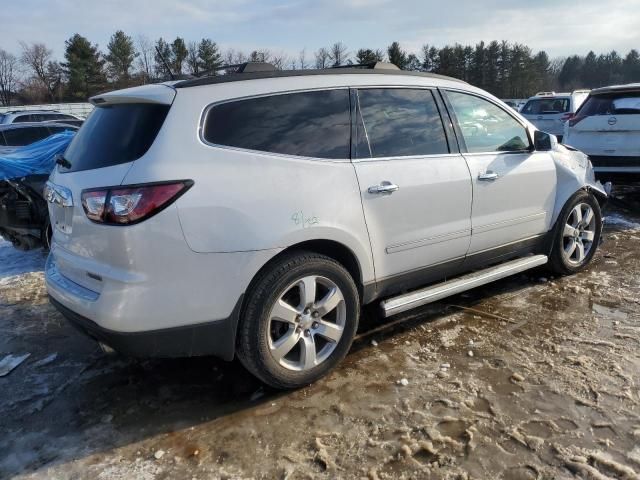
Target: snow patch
[14, 263]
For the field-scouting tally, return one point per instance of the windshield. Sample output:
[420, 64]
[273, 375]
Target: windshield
[541, 106]
[115, 134]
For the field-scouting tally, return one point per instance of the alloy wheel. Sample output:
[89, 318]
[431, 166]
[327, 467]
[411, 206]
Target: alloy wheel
[306, 323]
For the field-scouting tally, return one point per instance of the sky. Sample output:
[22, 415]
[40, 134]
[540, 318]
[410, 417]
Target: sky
[560, 27]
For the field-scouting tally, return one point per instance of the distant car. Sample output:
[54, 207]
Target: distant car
[607, 128]
[32, 116]
[21, 134]
[549, 111]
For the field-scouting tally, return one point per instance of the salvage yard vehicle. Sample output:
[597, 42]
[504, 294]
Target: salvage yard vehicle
[549, 111]
[607, 128]
[24, 215]
[31, 116]
[21, 134]
[253, 214]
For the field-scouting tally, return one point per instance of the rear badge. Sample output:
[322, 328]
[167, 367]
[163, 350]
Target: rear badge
[612, 121]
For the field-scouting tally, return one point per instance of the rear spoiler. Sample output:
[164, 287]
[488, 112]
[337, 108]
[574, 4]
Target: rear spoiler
[158, 93]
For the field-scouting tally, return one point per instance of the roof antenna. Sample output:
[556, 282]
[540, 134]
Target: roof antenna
[166, 65]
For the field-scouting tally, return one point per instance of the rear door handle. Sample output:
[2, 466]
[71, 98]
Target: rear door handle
[385, 188]
[488, 176]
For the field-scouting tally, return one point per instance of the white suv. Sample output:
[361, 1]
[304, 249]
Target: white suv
[549, 111]
[607, 128]
[253, 214]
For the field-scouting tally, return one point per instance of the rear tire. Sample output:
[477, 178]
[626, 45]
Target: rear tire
[299, 321]
[577, 234]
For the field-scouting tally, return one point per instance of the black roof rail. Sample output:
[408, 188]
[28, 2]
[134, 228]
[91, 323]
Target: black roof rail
[246, 67]
[370, 66]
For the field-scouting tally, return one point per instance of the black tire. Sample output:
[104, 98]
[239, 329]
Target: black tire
[255, 332]
[558, 261]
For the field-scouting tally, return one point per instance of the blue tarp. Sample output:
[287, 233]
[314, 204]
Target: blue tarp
[39, 157]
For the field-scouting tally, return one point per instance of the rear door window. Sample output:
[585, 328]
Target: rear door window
[485, 126]
[115, 134]
[546, 106]
[18, 137]
[398, 122]
[308, 124]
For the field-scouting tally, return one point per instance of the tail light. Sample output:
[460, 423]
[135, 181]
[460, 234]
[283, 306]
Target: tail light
[126, 205]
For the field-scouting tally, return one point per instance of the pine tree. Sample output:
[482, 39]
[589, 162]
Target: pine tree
[366, 55]
[120, 57]
[163, 57]
[179, 53]
[397, 56]
[631, 67]
[209, 55]
[83, 68]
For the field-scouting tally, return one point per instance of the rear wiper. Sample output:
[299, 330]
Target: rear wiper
[63, 162]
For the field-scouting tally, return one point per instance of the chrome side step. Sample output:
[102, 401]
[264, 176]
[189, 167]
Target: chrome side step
[410, 300]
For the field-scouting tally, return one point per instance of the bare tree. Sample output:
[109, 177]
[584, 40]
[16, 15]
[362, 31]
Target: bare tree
[338, 54]
[145, 58]
[322, 58]
[302, 59]
[193, 58]
[37, 58]
[8, 76]
[279, 60]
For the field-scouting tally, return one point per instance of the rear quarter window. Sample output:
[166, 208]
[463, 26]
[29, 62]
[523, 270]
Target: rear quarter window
[308, 124]
[115, 134]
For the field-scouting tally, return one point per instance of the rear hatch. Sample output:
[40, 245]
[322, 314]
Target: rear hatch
[548, 113]
[120, 130]
[608, 124]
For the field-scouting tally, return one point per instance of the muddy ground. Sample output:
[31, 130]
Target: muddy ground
[531, 377]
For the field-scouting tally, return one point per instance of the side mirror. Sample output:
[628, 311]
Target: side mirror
[543, 141]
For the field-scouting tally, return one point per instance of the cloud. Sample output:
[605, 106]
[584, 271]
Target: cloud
[559, 26]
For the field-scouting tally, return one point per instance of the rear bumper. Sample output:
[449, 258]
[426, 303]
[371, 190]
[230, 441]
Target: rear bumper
[616, 168]
[212, 338]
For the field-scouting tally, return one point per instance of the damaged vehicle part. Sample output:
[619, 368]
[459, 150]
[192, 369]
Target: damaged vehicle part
[24, 216]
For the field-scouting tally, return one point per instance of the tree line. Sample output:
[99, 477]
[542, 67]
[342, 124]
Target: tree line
[508, 70]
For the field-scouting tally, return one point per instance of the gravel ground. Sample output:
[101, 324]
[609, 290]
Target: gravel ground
[529, 378]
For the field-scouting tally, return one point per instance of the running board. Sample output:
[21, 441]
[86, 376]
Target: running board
[414, 299]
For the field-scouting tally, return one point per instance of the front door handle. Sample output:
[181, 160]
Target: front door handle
[488, 176]
[385, 188]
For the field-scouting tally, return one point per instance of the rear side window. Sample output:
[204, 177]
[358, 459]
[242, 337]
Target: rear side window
[542, 106]
[613, 104]
[18, 137]
[115, 134]
[486, 127]
[308, 124]
[24, 119]
[399, 122]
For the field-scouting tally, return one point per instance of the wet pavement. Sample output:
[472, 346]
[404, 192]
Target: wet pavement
[529, 378]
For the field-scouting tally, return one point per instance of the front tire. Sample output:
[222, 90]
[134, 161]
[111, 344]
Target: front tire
[577, 234]
[299, 321]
